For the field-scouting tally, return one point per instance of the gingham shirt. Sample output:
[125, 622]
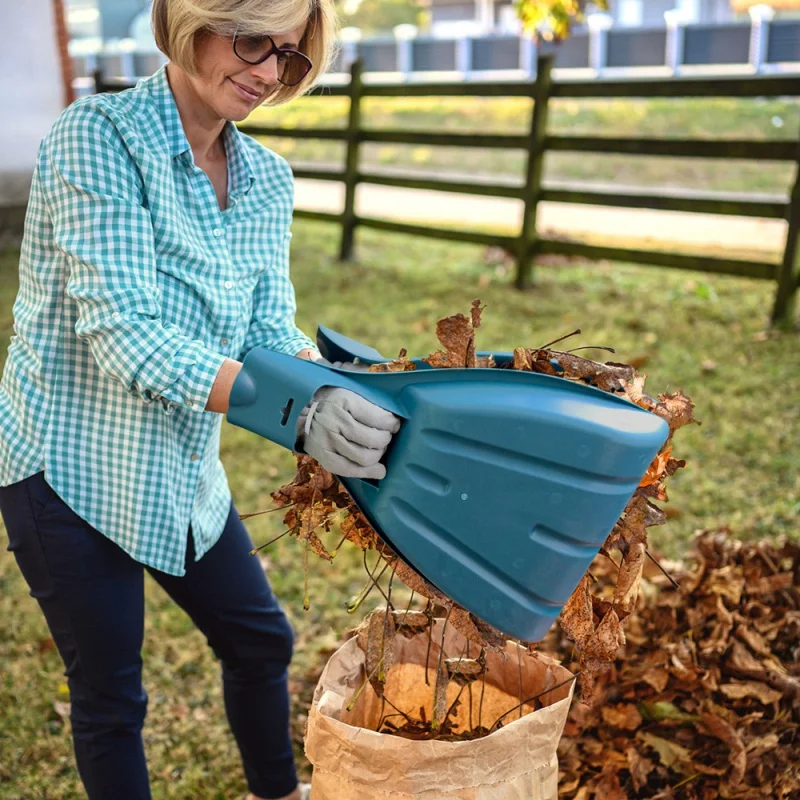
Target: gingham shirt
[134, 287]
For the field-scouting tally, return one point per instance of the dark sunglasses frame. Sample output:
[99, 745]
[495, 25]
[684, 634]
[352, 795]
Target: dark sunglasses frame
[274, 49]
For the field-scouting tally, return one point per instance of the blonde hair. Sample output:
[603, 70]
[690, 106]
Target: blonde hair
[177, 24]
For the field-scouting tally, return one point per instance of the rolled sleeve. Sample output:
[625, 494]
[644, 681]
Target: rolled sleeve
[95, 203]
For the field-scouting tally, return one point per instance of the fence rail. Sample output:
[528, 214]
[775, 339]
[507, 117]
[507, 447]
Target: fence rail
[528, 244]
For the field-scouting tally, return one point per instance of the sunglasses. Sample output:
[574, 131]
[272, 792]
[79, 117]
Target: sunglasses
[293, 65]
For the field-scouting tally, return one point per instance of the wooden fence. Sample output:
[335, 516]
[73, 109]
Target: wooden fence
[528, 243]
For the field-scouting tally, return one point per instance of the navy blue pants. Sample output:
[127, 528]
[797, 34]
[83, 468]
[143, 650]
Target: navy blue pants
[92, 595]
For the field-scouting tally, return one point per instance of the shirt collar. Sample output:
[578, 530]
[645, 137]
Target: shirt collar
[240, 168]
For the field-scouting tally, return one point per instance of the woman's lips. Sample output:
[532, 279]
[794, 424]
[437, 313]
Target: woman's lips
[245, 92]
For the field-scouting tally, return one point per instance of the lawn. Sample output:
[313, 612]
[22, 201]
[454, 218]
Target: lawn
[703, 335]
[706, 118]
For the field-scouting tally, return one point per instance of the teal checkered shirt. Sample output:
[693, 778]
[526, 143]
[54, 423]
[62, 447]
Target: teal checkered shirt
[134, 287]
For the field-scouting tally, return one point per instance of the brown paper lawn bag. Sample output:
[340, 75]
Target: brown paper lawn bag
[516, 762]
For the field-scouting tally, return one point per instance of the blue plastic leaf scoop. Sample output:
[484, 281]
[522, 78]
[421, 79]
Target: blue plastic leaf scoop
[501, 485]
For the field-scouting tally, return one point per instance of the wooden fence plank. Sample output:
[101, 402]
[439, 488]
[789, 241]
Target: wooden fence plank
[351, 162]
[764, 150]
[682, 86]
[497, 141]
[720, 266]
[788, 276]
[722, 204]
[470, 237]
[512, 190]
[537, 137]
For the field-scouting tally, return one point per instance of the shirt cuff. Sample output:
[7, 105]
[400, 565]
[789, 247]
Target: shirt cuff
[194, 387]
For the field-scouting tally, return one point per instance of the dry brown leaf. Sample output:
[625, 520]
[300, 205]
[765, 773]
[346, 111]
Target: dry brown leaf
[609, 787]
[639, 767]
[624, 716]
[376, 638]
[576, 618]
[630, 574]
[755, 689]
[608, 637]
[726, 733]
[657, 467]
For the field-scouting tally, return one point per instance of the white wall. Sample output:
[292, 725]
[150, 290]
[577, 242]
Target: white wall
[31, 91]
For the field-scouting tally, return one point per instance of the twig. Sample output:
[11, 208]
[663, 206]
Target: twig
[402, 713]
[430, 636]
[306, 601]
[272, 541]
[560, 339]
[352, 606]
[519, 664]
[482, 659]
[380, 716]
[389, 609]
[434, 721]
[364, 684]
[470, 695]
[531, 699]
[592, 347]
[336, 549]
[669, 577]
[447, 713]
[268, 511]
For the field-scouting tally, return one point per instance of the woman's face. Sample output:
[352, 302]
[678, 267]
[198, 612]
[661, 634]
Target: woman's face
[230, 87]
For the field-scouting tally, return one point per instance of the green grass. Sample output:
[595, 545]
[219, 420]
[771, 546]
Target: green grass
[743, 468]
[707, 118]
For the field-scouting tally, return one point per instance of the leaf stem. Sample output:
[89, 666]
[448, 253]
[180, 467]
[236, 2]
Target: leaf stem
[669, 577]
[531, 699]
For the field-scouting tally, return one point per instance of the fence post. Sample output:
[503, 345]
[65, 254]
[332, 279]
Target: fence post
[599, 25]
[526, 243]
[527, 55]
[789, 269]
[351, 162]
[99, 83]
[676, 34]
[464, 55]
[760, 18]
[404, 36]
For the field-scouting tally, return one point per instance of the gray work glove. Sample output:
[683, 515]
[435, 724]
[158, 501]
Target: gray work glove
[346, 433]
[352, 366]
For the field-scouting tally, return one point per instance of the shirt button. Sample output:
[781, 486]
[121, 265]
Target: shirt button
[195, 457]
[224, 342]
[229, 284]
[218, 231]
[190, 403]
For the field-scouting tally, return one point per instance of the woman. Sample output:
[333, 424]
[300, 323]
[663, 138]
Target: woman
[155, 257]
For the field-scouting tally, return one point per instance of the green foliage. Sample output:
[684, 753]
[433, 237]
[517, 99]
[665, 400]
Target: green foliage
[553, 19]
[380, 16]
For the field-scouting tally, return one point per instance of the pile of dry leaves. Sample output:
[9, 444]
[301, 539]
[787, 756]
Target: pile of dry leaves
[703, 699]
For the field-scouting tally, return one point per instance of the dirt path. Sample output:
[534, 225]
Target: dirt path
[658, 228]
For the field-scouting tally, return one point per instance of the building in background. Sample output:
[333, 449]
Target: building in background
[456, 17]
[35, 81]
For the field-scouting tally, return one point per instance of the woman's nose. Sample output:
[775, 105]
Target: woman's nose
[266, 71]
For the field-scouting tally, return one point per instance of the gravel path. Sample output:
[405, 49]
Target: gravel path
[657, 228]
